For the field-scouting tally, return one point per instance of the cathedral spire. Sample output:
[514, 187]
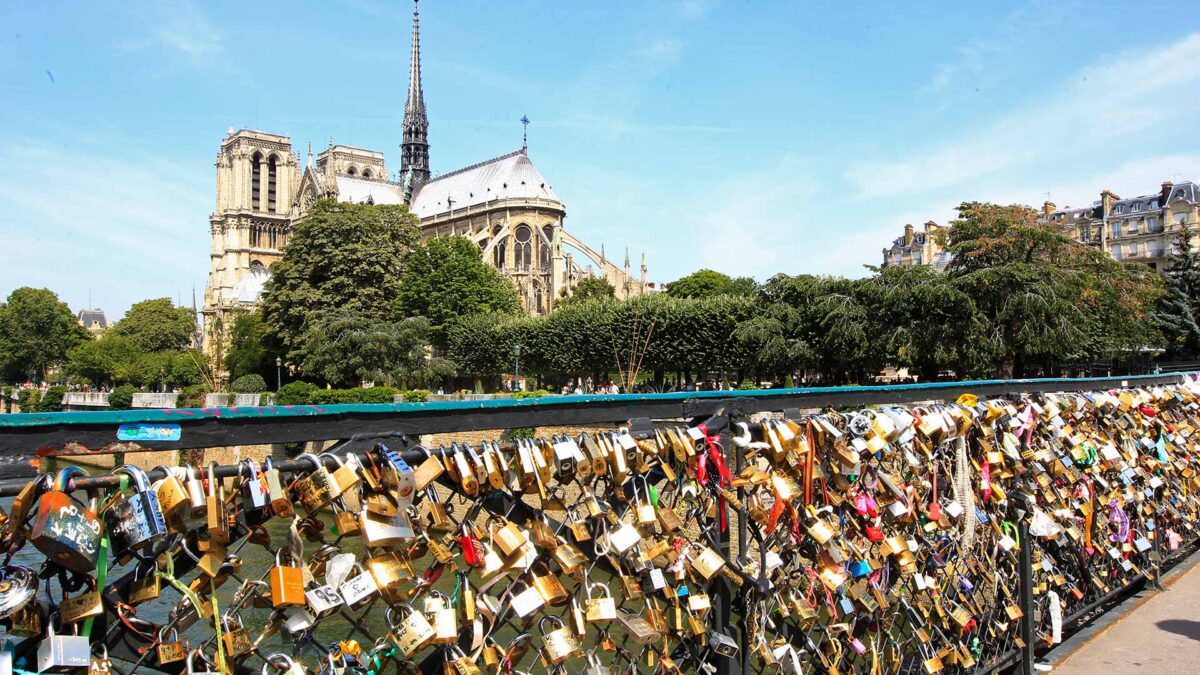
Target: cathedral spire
[414, 161]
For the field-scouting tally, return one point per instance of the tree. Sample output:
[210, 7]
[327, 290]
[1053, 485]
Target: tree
[249, 384]
[344, 257]
[103, 360]
[1044, 297]
[121, 398]
[157, 325]
[36, 332]
[590, 288]
[1176, 312]
[252, 348]
[706, 283]
[347, 349]
[445, 278]
[775, 339]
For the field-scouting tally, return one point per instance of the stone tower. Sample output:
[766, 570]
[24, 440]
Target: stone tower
[414, 160]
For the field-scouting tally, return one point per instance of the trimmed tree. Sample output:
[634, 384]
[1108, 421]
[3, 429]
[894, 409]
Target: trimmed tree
[37, 330]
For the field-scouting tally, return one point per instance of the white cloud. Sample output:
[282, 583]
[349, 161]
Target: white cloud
[1104, 103]
[181, 29]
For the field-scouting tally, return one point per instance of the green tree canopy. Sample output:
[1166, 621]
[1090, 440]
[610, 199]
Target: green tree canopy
[346, 349]
[1044, 297]
[1178, 310]
[347, 257]
[157, 325]
[706, 283]
[590, 288]
[445, 278]
[103, 360]
[252, 348]
[36, 332]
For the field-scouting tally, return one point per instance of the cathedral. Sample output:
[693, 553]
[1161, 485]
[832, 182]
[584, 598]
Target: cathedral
[503, 204]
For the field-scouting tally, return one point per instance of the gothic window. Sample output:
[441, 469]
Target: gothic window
[366, 173]
[544, 246]
[498, 254]
[271, 183]
[523, 250]
[255, 179]
[255, 236]
[352, 171]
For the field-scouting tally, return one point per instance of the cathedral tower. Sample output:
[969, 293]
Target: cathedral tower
[414, 161]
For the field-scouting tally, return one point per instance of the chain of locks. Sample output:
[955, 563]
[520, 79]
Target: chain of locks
[884, 540]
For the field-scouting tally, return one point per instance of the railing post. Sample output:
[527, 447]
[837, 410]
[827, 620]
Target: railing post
[723, 614]
[1027, 609]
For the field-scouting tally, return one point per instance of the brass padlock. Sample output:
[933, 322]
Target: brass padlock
[82, 606]
[172, 650]
[281, 503]
[318, 488]
[235, 639]
[100, 664]
[549, 585]
[390, 572]
[707, 563]
[172, 495]
[409, 629]
[445, 623]
[559, 644]
[287, 583]
[508, 537]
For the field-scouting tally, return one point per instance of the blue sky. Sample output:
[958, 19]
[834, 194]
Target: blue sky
[749, 137]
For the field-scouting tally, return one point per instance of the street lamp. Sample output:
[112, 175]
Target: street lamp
[516, 367]
[278, 373]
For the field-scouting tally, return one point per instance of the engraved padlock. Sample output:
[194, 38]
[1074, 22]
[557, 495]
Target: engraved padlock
[358, 589]
[64, 530]
[600, 607]
[444, 619]
[135, 522]
[559, 644]
[287, 583]
[409, 629]
[280, 501]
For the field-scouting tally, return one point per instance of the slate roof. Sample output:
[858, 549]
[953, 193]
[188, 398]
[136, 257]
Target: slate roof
[511, 176]
[87, 317]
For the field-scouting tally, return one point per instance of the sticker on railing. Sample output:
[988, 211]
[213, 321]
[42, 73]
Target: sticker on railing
[148, 432]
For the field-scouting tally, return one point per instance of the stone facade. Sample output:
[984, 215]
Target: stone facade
[919, 248]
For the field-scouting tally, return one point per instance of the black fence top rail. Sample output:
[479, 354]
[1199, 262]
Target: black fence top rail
[163, 429]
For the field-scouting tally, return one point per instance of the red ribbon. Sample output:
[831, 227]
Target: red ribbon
[724, 478]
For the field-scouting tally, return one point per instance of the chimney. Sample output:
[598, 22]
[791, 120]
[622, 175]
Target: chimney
[1166, 192]
[1106, 200]
[1048, 207]
[908, 234]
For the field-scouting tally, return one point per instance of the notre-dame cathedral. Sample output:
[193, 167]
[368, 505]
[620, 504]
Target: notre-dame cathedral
[504, 204]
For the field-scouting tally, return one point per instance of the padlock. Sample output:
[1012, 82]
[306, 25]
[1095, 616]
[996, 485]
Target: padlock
[281, 503]
[707, 563]
[98, 664]
[559, 644]
[390, 572]
[568, 556]
[461, 664]
[318, 488]
[172, 650]
[255, 502]
[287, 583]
[722, 644]
[646, 514]
[236, 640]
[527, 602]
[394, 531]
[197, 497]
[359, 589]
[214, 508]
[281, 663]
[65, 530]
[594, 667]
[172, 495]
[345, 523]
[135, 522]
[549, 585]
[345, 476]
[82, 606]
[624, 538]
[602, 608]
[409, 629]
[638, 627]
[298, 621]
[443, 618]
[27, 621]
[62, 653]
[508, 537]
[322, 600]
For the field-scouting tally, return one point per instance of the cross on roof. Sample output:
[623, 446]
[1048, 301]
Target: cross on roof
[525, 132]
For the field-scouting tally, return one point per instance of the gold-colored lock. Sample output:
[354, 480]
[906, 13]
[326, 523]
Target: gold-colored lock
[83, 606]
[548, 585]
[707, 563]
[508, 537]
[287, 583]
[569, 558]
[390, 572]
[445, 623]
[559, 644]
[235, 639]
[172, 496]
[147, 587]
[410, 630]
[172, 650]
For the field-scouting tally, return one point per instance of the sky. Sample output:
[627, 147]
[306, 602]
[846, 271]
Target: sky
[750, 137]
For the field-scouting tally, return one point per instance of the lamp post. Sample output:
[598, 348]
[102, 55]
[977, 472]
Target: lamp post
[278, 373]
[516, 366]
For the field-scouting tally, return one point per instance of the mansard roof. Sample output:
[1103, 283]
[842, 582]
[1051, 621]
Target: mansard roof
[511, 176]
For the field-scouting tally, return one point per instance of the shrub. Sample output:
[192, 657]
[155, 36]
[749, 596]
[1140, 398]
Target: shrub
[192, 396]
[525, 432]
[249, 384]
[28, 399]
[416, 396]
[747, 385]
[531, 394]
[295, 393]
[378, 395]
[121, 398]
[52, 399]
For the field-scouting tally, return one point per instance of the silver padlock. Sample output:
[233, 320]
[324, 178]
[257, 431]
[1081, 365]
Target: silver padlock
[135, 522]
[298, 620]
[62, 653]
[197, 498]
[594, 667]
[722, 644]
[207, 664]
[357, 590]
[322, 600]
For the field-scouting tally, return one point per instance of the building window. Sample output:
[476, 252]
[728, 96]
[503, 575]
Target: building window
[1179, 218]
[498, 254]
[1085, 233]
[271, 182]
[367, 174]
[544, 247]
[523, 252]
[1116, 228]
[352, 171]
[1135, 250]
[1152, 225]
[1116, 252]
[255, 180]
[1132, 227]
